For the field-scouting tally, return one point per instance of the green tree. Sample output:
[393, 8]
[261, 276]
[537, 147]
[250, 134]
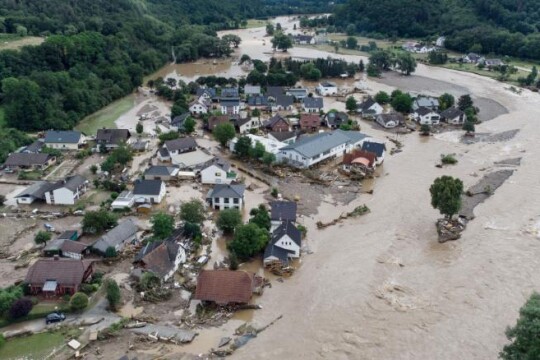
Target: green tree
[243, 146]
[162, 225]
[350, 29]
[8, 296]
[373, 71]
[257, 151]
[223, 133]
[248, 241]
[469, 127]
[171, 135]
[93, 169]
[78, 301]
[232, 40]
[111, 252]
[361, 66]
[268, 158]
[382, 97]
[352, 43]
[42, 237]
[446, 195]
[189, 125]
[113, 294]
[351, 104]
[382, 59]
[270, 29]
[446, 101]
[524, 337]
[281, 41]
[95, 222]
[256, 113]
[139, 128]
[465, 102]
[228, 220]
[406, 63]
[402, 102]
[192, 211]
[425, 129]
[192, 230]
[260, 217]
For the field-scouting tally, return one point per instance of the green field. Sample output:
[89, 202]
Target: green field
[34, 347]
[254, 23]
[106, 116]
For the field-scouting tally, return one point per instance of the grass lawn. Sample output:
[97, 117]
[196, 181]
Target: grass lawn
[30, 175]
[14, 41]
[106, 116]
[36, 347]
[254, 23]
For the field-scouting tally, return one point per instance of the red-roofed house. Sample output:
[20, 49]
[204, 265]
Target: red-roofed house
[310, 122]
[225, 287]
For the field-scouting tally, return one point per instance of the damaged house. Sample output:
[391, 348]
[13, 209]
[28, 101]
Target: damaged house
[162, 258]
[226, 287]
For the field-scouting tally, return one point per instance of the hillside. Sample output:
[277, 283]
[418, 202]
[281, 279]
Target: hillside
[505, 27]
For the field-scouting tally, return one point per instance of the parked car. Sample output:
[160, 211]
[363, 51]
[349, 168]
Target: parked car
[49, 227]
[55, 317]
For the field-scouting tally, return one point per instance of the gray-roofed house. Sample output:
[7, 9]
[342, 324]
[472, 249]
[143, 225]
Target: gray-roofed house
[327, 88]
[218, 172]
[285, 237]
[429, 102]
[66, 248]
[34, 192]
[282, 103]
[287, 137]
[161, 172]
[390, 120]
[34, 148]
[334, 119]
[312, 104]
[118, 237]
[177, 123]
[161, 258]
[230, 106]
[64, 140]
[29, 161]
[258, 101]
[67, 191]
[493, 63]
[310, 150]
[112, 138]
[229, 92]
[244, 125]
[369, 108]
[149, 191]
[252, 90]
[206, 94]
[226, 196]
[297, 93]
[304, 39]
[274, 91]
[282, 211]
[180, 146]
[426, 116]
[453, 115]
[379, 149]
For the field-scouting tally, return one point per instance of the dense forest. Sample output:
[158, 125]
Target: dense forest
[504, 27]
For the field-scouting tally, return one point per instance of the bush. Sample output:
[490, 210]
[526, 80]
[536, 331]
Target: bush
[275, 192]
[78, 301]
[113, 294]
[87, 288]
[448, 159]
[97, 277]
[192, 230]
[149, 281]
[192, 211]
[228, 220]
[110, 252]
[42, 237]
[20, 308]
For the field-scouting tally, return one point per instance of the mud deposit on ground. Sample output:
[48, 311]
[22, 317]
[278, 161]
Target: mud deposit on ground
[490, 138]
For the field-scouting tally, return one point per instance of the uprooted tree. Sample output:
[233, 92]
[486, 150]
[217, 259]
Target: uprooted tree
[446, 195]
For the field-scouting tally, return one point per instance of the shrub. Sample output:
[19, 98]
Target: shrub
[20, 308]
[42, 237]
[113, 293]
[275, 192]
[87, 288]
[448, 159]
[228, 220]
[78, 301]
[97, 277]
[110, 252]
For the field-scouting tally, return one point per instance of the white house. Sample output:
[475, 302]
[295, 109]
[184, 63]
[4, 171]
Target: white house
[198, 107]
[162, 258]
[311, 150]
[64, 140]
[453, 116]
[377, 148]
[312, 104]
[285, 243]
[244, 125]
[218, 172]
[270, 145]
[124, 200]
[149, 191]
[327, 88]
[226, 196]
[230, 106]
[390, 120]
[118, 237]
[426, 116]
[66, 192]
[369, 108]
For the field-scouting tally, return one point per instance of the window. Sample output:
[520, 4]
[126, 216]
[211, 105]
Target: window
[236, 200]
[216, 200]
[217, 174]
[226, 200]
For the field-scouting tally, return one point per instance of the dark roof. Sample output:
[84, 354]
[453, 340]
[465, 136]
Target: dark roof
[423, 111]
[310, 121]
[68, 137]
[224, 286]
[72, 183]
[73, 246]
[306, 38]
[397, 117]
[181, 144]
[147, 187]
[64, 271]
[34, 147]
[257, 100]
[229, 102]
[270, 123]
[221, 163]
[275, 251]
[369, 102]
[68, 234]
[283, 135]
[179, 120]
[274, 91]
[160, 258]
[452, 113]
[335, 118]
[284, 100]
[227, 191]
[376, 148]
[164, 152]
[313, 102]
[210, 91]
[229, 92]
[160, 170]
[37, 190]
[283, 210]
[112, 136]
[27, 159]
[117, 235]
[287, 228]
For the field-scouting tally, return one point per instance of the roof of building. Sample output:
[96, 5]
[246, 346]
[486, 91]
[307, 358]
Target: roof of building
[72, 182]
[283, 135]
[374, 147]
[209, 91]
[147, 187]
[367, 104]
[112, 136]
[257, 100]
[252, 89]
[395, 117]
[163, 152]
[284, 100]
[452, 113]
[117, 235]
[423, 111]
[229, 92]
[283, 210]
[302, 37]
[68, 234]
[313, 102]
[328, 84]
[427, 101]
[287, 228]
[181, 144]
[227, 191]
[215, 120]
[73, 246]
[221, 163]
[336, 118]
[159, 256]
[63, 271]
[274, 91]
[310, 146]
[310, 121]
[275, 251]
[27, 159]
[348, 158]
[62, 137]
[229, 102]
[224, 286]
[36, 190]
[198, 102]
[161, 170]
[35, 147]
[297, 91]
[179, 120]
[270, 123]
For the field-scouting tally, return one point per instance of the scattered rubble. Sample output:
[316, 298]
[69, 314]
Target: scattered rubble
[358, 211]
[449, 230]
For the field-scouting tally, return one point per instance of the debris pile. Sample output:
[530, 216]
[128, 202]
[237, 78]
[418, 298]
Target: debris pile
[449, 230]
[358, 211]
